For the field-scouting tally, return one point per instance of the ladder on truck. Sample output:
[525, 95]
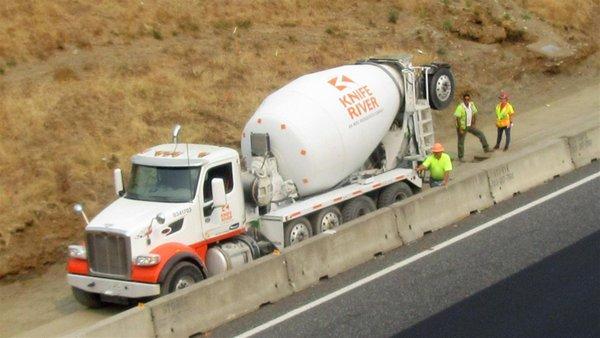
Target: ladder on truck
[425, 134]
[419, 115]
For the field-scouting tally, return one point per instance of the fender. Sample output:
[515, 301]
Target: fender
[78, 266]
[170, 254]
[182, 256]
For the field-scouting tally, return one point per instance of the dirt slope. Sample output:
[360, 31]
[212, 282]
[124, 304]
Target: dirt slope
[83, 86]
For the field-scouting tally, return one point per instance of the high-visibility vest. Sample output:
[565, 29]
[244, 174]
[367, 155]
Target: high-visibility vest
[503, 115]
[461, 113]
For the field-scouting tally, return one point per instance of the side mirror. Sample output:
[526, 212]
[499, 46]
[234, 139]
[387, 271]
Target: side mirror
[118, 179]
[218, 192]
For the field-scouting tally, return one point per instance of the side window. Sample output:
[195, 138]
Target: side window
[224, 171]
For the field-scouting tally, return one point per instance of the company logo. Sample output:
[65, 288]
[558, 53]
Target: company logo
[358, 100]
[226, 214]
[341, 82]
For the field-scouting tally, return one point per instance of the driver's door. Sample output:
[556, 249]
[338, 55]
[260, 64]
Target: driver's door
[218, 220]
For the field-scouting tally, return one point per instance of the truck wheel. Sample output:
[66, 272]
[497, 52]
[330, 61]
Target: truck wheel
[87, 299]
[326, 219]
[393, 193]
[357, 207]
[441, 88]
[181, 276]
[296, 231]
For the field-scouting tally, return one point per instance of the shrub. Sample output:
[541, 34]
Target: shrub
[243, 24]
[447, 25]
[393, 16]
[156, 34]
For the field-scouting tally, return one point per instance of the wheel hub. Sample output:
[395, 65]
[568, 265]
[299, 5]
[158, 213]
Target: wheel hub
[184, 282]
[299, 233]
[329, 221]
[443, 87]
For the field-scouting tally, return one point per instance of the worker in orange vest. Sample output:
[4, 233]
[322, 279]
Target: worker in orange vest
[504, 119]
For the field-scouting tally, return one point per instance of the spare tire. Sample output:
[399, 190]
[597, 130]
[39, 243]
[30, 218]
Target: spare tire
[441, 88]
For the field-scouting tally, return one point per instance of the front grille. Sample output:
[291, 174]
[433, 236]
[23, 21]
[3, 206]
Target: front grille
[108, 254]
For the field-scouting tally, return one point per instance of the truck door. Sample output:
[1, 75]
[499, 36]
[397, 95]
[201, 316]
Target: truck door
[223, 219]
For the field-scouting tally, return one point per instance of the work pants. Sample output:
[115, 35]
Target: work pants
[501, 130]
[461, 140]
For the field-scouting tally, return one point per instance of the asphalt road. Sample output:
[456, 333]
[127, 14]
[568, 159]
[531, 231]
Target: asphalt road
[536, 273]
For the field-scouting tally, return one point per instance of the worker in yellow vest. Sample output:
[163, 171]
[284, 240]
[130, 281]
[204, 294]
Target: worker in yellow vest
[466, 115]
[439, 165]
[504, 119]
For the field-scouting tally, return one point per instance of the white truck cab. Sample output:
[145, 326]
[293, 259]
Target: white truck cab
[180, 198]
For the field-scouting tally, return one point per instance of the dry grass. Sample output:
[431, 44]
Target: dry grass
[87, 85]
[566, 14]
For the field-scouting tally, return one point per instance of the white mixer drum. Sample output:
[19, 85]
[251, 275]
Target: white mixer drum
[323, 126]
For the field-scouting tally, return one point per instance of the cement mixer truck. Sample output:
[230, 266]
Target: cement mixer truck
[322, 150]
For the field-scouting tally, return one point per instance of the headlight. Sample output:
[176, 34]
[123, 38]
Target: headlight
[77, 251]
[147, 260]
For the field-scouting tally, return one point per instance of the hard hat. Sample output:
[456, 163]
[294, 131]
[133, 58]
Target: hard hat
[503, 95]
[437, 148]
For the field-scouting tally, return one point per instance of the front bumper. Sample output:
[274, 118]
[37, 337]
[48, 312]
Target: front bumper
[113, 287]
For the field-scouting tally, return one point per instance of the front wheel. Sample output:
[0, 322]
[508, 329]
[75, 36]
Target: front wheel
[87, 299]
[181, 276]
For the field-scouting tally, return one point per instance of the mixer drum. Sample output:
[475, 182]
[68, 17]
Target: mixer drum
[323, 126]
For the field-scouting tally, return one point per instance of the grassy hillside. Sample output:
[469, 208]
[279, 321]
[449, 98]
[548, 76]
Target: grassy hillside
[84, 85]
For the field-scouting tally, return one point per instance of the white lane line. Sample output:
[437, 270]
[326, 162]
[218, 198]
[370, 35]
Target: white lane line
[414, 258]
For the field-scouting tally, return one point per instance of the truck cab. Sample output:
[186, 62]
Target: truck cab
[180, 199]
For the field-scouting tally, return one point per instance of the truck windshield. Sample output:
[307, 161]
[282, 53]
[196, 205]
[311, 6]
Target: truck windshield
[162, 184]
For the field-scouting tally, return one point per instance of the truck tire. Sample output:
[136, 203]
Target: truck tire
[182, 275]
[441, 88]
[357, 207]
[87, 299]
[326, 219]
[393, 193]
[296, 231]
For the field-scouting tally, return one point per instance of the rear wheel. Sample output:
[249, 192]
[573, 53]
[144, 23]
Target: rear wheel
[357, 207]
[181, 276]
[87, 299]
[326, 219]
[393, 193]
[296, 231]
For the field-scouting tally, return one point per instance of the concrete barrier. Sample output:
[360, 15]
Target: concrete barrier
[408, 232]
[353, 243]
[585, 146]
[438, 207]
[222, 298]
[528, 168]
[136, 322]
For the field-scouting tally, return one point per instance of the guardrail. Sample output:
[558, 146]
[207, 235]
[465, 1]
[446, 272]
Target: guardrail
[215, 301]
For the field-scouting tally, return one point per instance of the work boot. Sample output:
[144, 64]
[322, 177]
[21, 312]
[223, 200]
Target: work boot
[505, 148]
[496, 147]
[487, 150]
